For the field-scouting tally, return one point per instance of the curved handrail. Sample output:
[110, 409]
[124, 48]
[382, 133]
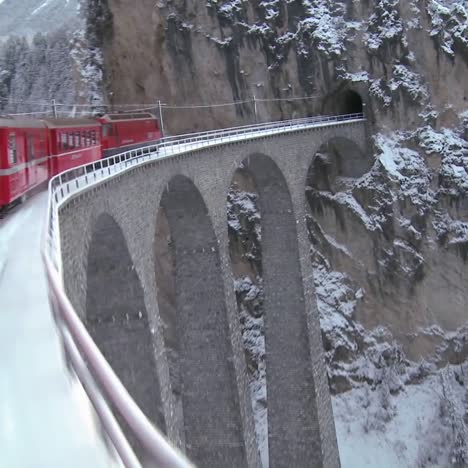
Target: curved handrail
[83, 352]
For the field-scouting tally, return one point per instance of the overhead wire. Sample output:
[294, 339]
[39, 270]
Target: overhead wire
[27, 113]
[58, 107]
[201, 106]
[293, 98]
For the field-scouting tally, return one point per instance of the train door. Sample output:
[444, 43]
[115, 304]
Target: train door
[17, 162]
[53, 147]
[117, 133]
[43, 155]
[4, 186]
[31, 169]
[109, 135]
[124, 133]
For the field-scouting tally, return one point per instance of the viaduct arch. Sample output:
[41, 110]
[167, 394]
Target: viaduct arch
[191, 189]
[290, 382]
[210, 405]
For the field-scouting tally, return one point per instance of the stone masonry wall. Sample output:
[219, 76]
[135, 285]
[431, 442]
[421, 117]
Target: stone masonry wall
[133, 199]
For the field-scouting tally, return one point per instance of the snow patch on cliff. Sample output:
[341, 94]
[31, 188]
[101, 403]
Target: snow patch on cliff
[242, 205]
[326, 25]
[453, 150]
[420, 426]
[405, 167]
[379, 89]
[449, 20]
[409, 81]
[384, 25]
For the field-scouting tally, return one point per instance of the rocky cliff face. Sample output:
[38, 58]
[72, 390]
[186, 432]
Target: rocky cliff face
[389, 238]
[406, 59]
[397, 229]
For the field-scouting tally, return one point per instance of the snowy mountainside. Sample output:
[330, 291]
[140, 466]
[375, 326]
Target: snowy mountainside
[27, 17]
[48, 57]
[396, 360]
[407, 59]
[424, 425]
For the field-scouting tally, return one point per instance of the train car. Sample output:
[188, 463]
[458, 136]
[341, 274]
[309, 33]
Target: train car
[23, 158]
[121, 132]
[72, 142]
[33, 151]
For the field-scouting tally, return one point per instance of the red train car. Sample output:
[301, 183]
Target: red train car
[23, 158]
[121, 132]
[33, 151]
[72, 142]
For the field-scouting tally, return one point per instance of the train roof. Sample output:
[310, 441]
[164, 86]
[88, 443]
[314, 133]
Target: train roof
[11, 122]
[70, 123]
[127, 116]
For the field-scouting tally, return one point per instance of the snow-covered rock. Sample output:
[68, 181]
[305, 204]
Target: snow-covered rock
[376, 247]
[28, 17]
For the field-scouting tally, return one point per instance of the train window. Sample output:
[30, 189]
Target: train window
[84, 139]
[63, 136]
[30, 155]
[93, 137]
[77, 139]
[108, 130]
[42, 146]
[12, 154]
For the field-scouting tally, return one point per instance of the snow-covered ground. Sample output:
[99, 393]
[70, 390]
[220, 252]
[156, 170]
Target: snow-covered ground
[45, 417]
[414, 428]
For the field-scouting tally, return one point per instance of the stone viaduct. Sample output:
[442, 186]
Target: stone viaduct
[188, 373]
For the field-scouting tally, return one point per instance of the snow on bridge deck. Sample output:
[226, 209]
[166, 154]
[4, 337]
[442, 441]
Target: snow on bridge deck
[45, 417]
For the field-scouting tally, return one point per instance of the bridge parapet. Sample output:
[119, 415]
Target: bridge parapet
[130, 187]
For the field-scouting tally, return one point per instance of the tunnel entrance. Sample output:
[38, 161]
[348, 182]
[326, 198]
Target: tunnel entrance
[343, 103]
[351, 102]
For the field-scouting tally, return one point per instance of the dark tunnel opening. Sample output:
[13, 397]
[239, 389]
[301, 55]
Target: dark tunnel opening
[351, 103]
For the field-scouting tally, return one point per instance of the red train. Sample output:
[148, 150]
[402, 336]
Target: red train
[33, 151]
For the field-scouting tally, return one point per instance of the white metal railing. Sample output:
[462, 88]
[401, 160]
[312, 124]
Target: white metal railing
[86, 359]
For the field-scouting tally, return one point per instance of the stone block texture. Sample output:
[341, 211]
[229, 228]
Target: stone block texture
[108, 236]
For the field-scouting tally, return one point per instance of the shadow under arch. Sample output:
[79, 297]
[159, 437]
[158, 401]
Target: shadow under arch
[193, 310]
[293, 431]
[117, 319]
[337, 162]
